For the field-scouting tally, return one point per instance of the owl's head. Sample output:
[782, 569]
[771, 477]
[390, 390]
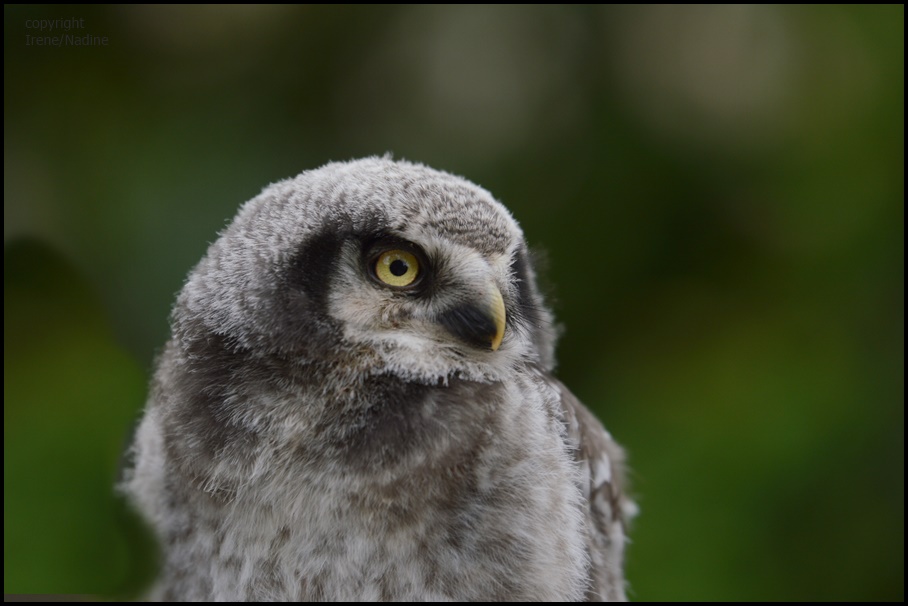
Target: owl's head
[375, 265]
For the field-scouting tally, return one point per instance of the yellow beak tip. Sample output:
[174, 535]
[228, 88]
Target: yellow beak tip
[500, 315]
[496, 342]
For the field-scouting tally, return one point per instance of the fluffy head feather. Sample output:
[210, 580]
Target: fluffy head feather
[286, 276]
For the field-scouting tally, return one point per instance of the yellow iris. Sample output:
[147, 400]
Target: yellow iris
[397, 268]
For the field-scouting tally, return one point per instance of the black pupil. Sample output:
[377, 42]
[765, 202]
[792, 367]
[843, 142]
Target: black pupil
[398, 267]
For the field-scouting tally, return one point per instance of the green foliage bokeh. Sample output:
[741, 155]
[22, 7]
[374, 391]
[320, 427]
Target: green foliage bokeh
[719, 191]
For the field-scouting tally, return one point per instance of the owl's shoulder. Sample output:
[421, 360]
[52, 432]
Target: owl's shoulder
[603, 483]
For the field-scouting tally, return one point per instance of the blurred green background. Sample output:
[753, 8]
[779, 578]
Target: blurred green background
[719, 189]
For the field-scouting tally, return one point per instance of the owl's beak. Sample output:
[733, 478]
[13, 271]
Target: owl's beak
[499, 316]
[478, 325]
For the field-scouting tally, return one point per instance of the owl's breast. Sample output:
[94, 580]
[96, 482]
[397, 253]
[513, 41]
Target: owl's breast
[459, 492]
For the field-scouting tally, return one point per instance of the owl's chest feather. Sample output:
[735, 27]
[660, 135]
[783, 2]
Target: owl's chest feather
[473, 518]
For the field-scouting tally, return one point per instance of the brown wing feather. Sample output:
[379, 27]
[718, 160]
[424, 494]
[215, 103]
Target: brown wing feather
[601, 463]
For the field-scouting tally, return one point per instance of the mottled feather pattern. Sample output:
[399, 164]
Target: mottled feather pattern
[312, 434]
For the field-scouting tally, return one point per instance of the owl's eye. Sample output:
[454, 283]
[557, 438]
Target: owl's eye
[397, 268]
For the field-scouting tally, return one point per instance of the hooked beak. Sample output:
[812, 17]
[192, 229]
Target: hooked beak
[480, 325]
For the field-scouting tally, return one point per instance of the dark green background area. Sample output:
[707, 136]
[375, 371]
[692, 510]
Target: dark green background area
[719, 190]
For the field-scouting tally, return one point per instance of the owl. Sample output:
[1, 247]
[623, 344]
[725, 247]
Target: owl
[357, 403]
